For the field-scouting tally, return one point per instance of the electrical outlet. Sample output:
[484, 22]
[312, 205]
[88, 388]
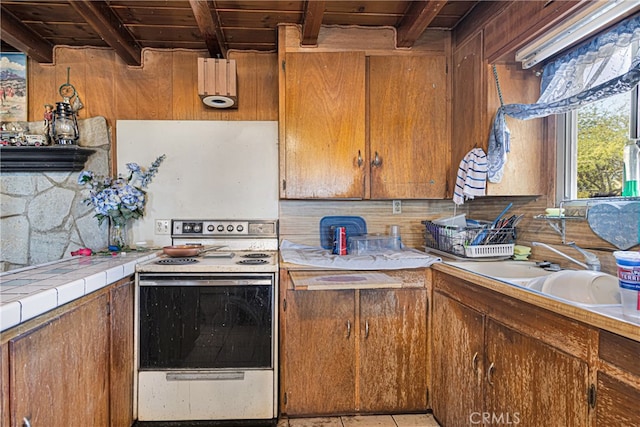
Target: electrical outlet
[397, 207]
[163, 226]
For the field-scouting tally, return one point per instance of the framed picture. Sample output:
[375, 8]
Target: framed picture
[13, 87]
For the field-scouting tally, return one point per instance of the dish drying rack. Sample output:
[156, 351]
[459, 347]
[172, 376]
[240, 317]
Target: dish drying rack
[470, 242]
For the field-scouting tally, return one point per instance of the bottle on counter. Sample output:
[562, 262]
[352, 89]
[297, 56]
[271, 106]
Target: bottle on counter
[395, 234]
[631, 171]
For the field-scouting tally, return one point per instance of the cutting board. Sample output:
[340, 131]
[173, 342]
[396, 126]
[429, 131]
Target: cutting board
[314, 281]
[616, 222]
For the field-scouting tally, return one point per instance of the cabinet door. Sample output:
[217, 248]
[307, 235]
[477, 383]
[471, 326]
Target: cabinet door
[121, 367]
[458, 340]
[324, 147]
[4, 385]
[59, 371]
[528, 381]
[320, 352]
[408, 127]
[617, 402]
[469, 103]
[393, 350]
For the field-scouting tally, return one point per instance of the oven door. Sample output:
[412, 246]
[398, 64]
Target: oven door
[203, 340]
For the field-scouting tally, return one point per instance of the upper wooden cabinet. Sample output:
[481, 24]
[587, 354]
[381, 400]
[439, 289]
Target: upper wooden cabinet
[324, 145]
[359, 123]
[475, 103]
[408, 127]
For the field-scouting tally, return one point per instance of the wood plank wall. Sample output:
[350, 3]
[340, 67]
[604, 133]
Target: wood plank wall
[299, 223]
[163, 88]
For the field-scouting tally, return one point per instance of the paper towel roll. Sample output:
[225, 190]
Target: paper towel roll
[218, 101]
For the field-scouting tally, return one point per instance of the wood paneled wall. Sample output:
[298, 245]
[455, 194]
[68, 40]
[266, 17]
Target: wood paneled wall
[300, 221]
[165, 87]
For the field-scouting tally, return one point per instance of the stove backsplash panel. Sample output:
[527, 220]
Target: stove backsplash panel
[213, 169]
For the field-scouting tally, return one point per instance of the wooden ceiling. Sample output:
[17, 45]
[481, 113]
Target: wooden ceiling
[36, 27]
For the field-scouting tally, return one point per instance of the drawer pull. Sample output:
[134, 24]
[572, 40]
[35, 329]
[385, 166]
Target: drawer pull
[366, 329]
[348, 328]
[474, 362]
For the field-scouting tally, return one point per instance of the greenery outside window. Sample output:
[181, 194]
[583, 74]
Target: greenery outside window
[592, 141]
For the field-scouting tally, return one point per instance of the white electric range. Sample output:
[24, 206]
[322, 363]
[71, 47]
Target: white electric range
[206, 326]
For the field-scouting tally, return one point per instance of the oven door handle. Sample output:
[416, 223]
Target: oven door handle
[207, 282]
[204, 376]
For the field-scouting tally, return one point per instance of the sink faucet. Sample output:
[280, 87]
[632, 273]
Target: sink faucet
[591, 261]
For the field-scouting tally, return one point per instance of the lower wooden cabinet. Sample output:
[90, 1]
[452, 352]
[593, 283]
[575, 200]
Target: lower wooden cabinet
[59, 372]
[355, 351]
[486, 371]
[530, 383]
[457, 361]
[618, 386]
[121, 366]
[72, 366]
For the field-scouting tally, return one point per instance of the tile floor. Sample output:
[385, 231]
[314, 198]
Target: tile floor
[400, 420]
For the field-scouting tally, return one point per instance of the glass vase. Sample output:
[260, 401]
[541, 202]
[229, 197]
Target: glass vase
[117, 235]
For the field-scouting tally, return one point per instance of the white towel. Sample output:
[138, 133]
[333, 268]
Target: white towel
[472, 176]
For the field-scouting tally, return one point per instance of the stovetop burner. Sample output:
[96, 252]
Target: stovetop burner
[176, 261]
[256, 255]
[252, 261]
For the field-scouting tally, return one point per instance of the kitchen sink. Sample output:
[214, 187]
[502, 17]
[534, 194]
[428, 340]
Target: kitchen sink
[518, 272]
[584, 287]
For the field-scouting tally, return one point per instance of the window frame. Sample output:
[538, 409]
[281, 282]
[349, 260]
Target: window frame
[567, 148]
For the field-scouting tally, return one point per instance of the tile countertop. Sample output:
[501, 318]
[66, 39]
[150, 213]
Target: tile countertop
[28, 292]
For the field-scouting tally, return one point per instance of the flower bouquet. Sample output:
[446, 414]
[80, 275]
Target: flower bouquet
[119, 199]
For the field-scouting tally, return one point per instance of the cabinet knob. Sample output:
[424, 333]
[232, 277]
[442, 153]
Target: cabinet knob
[377, 161]
[360, 160]
[366, 329]
[348, 328]
[490, 374]
[474, 362]
[26, 422]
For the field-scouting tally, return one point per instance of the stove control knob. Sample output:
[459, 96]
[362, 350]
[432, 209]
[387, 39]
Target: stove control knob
[229, 228]
[197, 228]
[186, 228]
[239, 228]
[210, 228]
[221, 228]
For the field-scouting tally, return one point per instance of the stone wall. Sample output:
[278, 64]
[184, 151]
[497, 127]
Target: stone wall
[42, 215]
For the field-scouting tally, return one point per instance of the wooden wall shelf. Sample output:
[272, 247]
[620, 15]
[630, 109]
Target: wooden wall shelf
[60, 158]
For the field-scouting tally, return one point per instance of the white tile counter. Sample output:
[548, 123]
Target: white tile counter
[31, 291]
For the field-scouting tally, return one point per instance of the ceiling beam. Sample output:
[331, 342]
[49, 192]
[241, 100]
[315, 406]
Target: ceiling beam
[418, 17]
[313, 13]
[23, 38]
[209, 25]
[106, 23]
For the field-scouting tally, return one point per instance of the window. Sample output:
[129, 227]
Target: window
[592, 141]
